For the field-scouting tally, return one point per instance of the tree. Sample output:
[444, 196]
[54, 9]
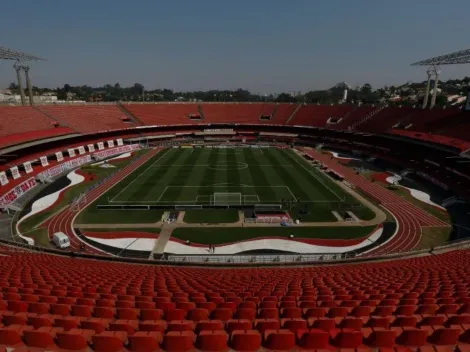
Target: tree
[284, 98]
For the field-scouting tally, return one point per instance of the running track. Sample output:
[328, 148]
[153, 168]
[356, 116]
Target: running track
[410, 219]
[63, 220]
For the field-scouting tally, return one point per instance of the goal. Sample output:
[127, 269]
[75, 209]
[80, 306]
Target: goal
[223, 198]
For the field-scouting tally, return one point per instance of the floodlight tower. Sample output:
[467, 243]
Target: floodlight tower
[17, 66]
[430, 73]
[28, 84]
[458, 57]
[434, 91]
[21, 63]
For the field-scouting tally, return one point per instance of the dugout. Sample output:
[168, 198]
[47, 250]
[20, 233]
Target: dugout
[333, 174]
[267, 215]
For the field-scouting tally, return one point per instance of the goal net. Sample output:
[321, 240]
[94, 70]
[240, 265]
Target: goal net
[222, 198]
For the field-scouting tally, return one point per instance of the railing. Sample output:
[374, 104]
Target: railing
[240, 260]
[258, 258]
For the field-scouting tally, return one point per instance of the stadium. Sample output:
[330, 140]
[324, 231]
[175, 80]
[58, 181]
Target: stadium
[234, 226]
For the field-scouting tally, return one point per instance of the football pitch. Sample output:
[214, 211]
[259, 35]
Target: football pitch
[226, 176]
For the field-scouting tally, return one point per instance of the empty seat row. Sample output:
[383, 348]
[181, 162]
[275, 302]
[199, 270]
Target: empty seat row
[420, 302]
[196, 316]
[51, 338]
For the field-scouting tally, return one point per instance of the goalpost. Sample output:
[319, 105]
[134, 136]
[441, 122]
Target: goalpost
[226, 198]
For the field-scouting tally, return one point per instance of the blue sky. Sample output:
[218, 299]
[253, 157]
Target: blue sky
[262, 45]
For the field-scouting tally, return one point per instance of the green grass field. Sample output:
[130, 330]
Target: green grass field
[211, 216]
[223, 176]
[192, 176]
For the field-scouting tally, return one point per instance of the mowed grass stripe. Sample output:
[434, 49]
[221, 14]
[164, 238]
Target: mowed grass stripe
[220, 175]
[273, 178]
[233, 176]
[177, 176]
[259, 177]
[363, 212]
[182, 176]
[298, 186]
[244, 175]
[155, 184]
[193, 177]
[139, 177]
[209, 175]
[325, 186]
[120, 191]
[146, 186]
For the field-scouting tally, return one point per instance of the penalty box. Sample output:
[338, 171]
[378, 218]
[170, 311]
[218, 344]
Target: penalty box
[205, 194]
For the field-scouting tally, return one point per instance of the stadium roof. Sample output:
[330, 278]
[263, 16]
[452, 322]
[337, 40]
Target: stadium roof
[9, 54]
[458, 57]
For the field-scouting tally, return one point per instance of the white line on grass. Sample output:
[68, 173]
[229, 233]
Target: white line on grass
[207, 165]
[315, 176]
[130, 202]
[293, 196]
[143, 172]
[217, 185]
[161, 195]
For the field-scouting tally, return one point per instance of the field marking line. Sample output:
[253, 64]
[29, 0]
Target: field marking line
[293, 195]
[254, 196]
[138, 202]
[217, 185]
[201, 165]
[314, 176]
[161, 195]
[201, 195]
[229, 185]
[143, 172]
[237, 187]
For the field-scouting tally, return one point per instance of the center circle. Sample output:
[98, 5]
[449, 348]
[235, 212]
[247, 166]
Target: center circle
[227, 166]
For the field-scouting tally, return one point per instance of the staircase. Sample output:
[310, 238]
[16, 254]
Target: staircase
[201, 112]
[345, 117]
[133, 117]
[60, 123]
[273, 113]
[365, 118]
[293, 113]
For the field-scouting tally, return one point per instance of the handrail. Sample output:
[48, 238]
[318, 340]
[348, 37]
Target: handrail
[452, 245]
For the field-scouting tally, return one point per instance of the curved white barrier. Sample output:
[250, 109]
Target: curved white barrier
[47, 201]
[122, 156]
[415, 193]
[174, 247]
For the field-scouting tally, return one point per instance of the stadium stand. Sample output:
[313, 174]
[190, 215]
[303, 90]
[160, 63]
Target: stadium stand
[59, 303]
[164, 114]
[318, 115]
[352, 117]
[421, 120]
[88, 118]
[24, 123]
[384, 120]
[461, 144]
[238, 113]
[283, 112]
